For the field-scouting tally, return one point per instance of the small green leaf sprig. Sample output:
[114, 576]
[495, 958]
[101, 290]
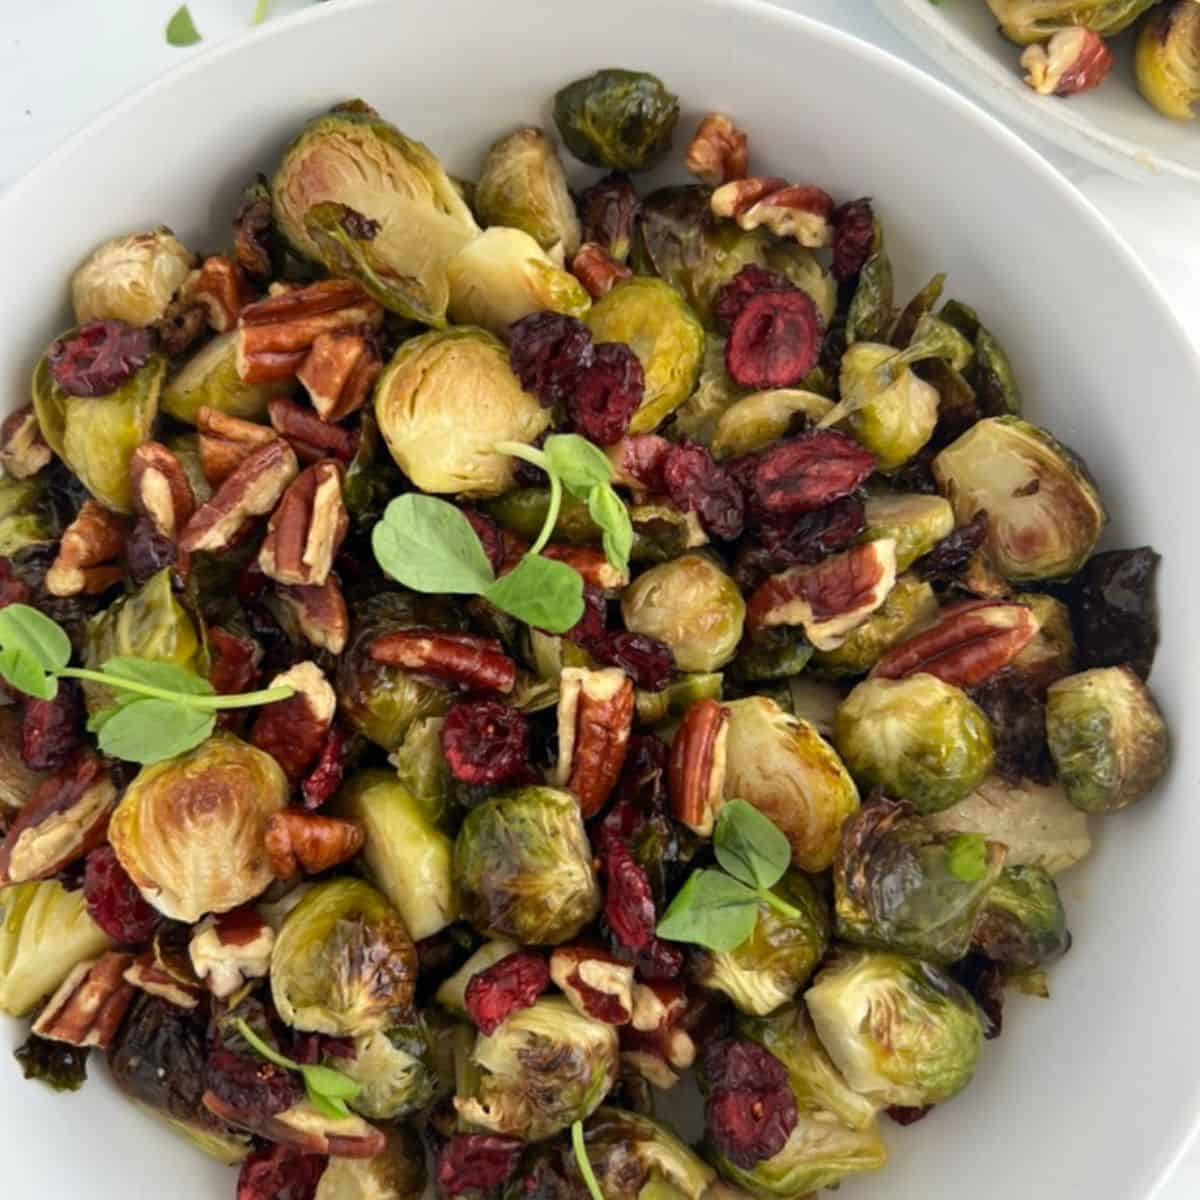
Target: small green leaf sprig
[327, 1089]
[719, 909]
[428, 545]
[159, 710]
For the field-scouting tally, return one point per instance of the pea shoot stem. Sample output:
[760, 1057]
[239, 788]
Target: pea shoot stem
[241, 700]
[534, 456]
[581, 1161]
[780, 906]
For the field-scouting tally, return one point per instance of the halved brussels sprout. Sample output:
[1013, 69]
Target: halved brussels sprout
[756, 420]
[28, 514]
[524, 868]
[452, 994]
[901, 1031]
[406, 855]
[661, 532]
[915, 522]
[210, 378]
[1107, 738]
[774, 962]
[444, 402]
[692, 606]
[1167, 60]
[1051, 654]
[617, 119]
[544, 1068]
[190, 831]
[676, 698]
[343, 963]
[522, 184]
[422, 769]
[899, 885]
[504, 275]
[394, 1071]
[1023, 926]
[783, 767]
[45, 932]
[1037, 822]
[697, 418]
[636, 1158]
[97, 435]
[352, 156]
[399, 1173]
[919, 739]
[776, 652]
[650, 317]
[131, 278]
[910, 605]
[1044, 515]
[1026, 21]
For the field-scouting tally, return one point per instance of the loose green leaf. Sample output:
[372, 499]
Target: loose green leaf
[541, 592]
[22, 671]
[163, 675]
[579, 1149]
[428, 545]
[749, 846]
[44, 640]
[181, 29]
[606, 509]
[335, 1110]
[580, 465]
[967, 857]
[149, 731]
[711, 910]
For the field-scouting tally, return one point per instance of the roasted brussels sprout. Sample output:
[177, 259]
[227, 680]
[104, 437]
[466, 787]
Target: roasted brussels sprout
[343, 963]
[444, 402]
[783, 767]
[1167, 60]
[399, 1173]
[190, 831]
[544, 1068]
[523, 868]
[692, 606]
[756, 420]
[899, 885]
[900, 1031]
[45, 932]
[131, 278]
[406, 855]
[1107, 738]
[353, 157]
[916, 523]
[649, 316]
[522, 184]
[635, 1158]
[97, 435]
[775, 961]
[676, 698]
[910, 605]
[28, 515]
[210, 379]
[617, 119]
[773, 653]
[394, 1071]
[919, 739]
[1044, 515]
[1051, 654]
[697, 417]
[1023, 926]
[504, 275]
[1026, 21]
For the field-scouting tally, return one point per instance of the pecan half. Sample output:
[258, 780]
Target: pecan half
[803, 213]
[596, 984]
[221, 289]
[597, 270]
[595, 716]
[226, 442]
[161, 491]
[89, 1005]
[310, 437]
[478, 663]
[319, 612]
[23, 450]
[85, 560]
[227, 949]
[658, 1005]
[969, 643]
[829, 599]
[718, 152]
[303, 841]
[146, 975]
[1074, 60]
[275, 335]
[696, 777]
[65, 818]
[292, 731]
[303, 1127]
[339, 372]
[308, 527]
[251, 491]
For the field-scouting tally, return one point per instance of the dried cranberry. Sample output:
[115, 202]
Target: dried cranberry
[853, 238]
[749, 281]
[51, 730]
[794, 541]
[506, 987]
[114, 902]
[595, 615]
[951, 556]
[147, 552]
[485, 741]
[547, 351]
[903, 1115]
[628, 900]
[249, 1084]
[235, 660]
[696, 484]
[660, 961]
[488, 533]
[607, 394]
[13, 590]
[1017, 715]
[277, 1172]
[476, 1162]
[775, 340]
[750, 1110]
[643, 777]
[607, 211]
[641, 457]
[100, 357]
[805, 473]
[647, 661]
[326, 776]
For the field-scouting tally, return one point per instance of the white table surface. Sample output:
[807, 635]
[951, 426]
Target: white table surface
[64, 61]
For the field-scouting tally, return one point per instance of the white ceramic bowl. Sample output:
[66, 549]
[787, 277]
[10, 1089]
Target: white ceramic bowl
[1088, 1097]
[1112, 126]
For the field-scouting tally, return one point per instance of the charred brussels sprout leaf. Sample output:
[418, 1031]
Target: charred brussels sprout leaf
[372, 479]
[1167, 59]
[210, 379]
[1023, 926]
[635, 1157]
[699, 416]
[772, 653]
[1115, 610]
[58, 1065]
[1026, 21]
[617, 119]
[29, 515]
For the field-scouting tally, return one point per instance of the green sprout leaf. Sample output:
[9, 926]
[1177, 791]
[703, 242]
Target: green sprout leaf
[711, 909]
[149, 731]
[579, 1149]
[967, 857]
[428, 545]
[44, 640]
[580, 465]
[328, 1090]
[607, 510]
[181, 29]
[749, 846]
[25, 674]
[541, 592]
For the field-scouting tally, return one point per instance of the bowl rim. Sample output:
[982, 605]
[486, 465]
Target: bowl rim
[762, 11]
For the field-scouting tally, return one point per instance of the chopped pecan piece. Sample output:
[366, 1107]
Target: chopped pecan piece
[146, 975]
[311, 438]
[221, 289]
[161, 491]
[1074, 60]
[320, 613]
[89, 1005]
[595, 716]
[697, 772]
[595, 983]
[226, 442]
[649, 1066]
[669, 1043]
[85, 561]
[293, 731]
[787, 210]
[339, 372]
[307, 529]
[478, 663]
[227, 949]
[830, 598]
[718, 153]
[658, 1005]
[23, 450]
[303, 841]
[597, 270]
